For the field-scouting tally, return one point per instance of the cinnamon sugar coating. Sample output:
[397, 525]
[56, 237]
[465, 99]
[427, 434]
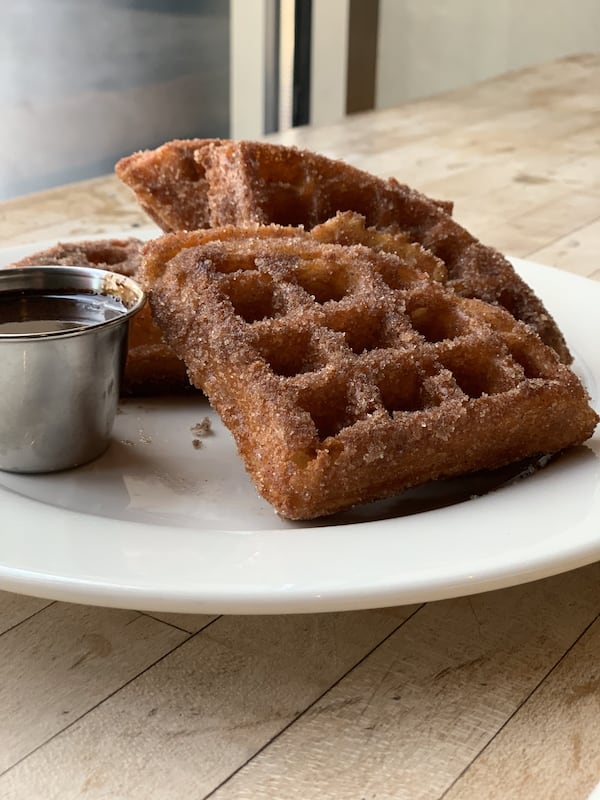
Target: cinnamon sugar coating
[348, 227]
[169, 184]
[118, 255]
[245, 183]
[151, 366]
[346, 374]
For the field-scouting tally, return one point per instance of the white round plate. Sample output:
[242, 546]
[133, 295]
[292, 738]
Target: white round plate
[158, 524]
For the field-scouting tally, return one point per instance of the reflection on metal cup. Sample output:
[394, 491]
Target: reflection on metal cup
[63, 340]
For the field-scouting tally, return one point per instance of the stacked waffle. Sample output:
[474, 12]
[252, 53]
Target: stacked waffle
[185, 185]
[355, 339]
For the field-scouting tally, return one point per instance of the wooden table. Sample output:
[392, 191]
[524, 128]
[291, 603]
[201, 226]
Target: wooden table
[489, 696]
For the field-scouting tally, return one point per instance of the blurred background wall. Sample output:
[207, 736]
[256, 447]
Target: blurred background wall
[83, 82]
[428, 46]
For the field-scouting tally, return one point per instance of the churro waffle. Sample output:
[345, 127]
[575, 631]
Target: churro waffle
[347, 375]
[169, 184]
[119, 255]
[245, 183]
[151, 366]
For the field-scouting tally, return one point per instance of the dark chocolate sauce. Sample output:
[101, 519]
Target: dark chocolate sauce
[28, 313]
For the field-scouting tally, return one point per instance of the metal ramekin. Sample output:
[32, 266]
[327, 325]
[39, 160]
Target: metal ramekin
[59, 391]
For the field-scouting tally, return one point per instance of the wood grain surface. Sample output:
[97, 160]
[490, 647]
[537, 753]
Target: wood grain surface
[494, 695]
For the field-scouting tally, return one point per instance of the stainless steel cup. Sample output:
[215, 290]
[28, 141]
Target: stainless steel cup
[59, 389]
